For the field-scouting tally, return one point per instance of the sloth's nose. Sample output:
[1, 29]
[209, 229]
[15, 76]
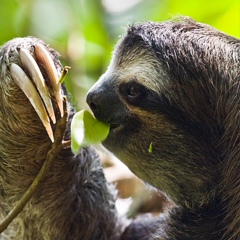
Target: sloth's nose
[93, 101]
[99, 102]
[104, 103]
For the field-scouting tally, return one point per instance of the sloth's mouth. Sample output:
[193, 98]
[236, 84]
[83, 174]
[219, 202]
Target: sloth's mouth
[116, 127]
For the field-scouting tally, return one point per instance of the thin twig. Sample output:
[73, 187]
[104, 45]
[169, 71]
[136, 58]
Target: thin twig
[64, 74]
[56, 147]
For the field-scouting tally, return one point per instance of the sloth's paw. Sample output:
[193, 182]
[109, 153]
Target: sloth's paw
[39, 80]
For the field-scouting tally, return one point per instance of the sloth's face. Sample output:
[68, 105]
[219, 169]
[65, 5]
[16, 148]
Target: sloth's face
[155, 117]
[124, 98]
[133, 98]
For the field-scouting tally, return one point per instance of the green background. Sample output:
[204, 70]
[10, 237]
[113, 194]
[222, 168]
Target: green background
[85, 31]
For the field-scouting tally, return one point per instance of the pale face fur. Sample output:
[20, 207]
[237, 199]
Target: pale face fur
[175, 86]
[137, 122]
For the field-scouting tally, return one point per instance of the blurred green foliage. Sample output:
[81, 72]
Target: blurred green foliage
[85, 31]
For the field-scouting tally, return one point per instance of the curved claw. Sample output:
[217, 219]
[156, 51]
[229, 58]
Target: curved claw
[29, 63]
[22, 80]
[44, 58]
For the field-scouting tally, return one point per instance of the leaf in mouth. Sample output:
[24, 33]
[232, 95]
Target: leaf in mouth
[86, 130]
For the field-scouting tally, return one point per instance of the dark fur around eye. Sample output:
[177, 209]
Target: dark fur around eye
[138, 95]
[133, 92]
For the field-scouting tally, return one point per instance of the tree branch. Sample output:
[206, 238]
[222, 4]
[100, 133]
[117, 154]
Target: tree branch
[56, 147]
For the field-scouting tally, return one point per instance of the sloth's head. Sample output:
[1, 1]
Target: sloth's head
[161, 96]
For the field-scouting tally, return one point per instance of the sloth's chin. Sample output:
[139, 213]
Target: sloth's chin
[114, 136]
[115, 133]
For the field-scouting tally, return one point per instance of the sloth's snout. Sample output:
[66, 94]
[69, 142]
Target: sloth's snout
[105, 103]
[100, 103]
[93, 101]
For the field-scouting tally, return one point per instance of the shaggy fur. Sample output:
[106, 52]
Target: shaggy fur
[171, 85]
[74, 201]
[175, 86]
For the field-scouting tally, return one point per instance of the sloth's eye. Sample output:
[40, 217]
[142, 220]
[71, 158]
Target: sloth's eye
[133, 92]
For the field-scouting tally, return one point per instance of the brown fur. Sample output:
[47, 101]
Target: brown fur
[172, 85]
[175, 85]
[74, 201]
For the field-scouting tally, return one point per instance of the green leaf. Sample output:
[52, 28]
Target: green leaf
[86, 130]
[150, 148]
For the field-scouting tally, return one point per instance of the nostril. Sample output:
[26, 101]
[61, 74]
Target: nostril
[92, 101]
[93, 106]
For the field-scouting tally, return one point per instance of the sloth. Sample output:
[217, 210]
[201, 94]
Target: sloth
[170, 95]
[74, 200]
[170, 98]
